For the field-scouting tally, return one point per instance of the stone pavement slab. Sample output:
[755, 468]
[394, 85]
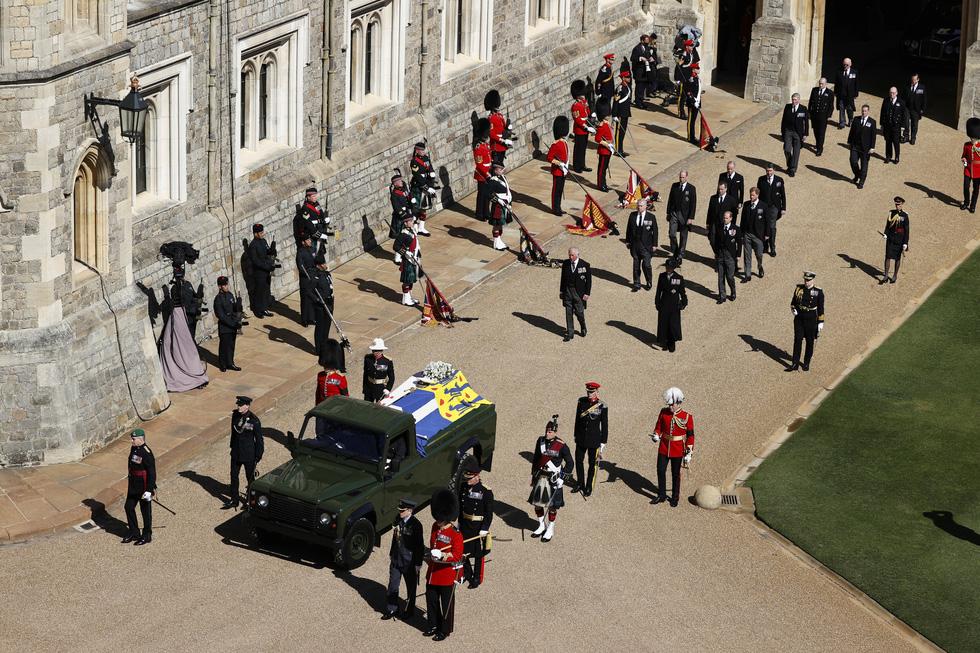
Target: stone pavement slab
[276, 353]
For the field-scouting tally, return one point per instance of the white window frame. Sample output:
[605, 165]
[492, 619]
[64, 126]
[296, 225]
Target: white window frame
[475, 41]
[168, 89]
[544, 17]
[387, 85]
[287, 44]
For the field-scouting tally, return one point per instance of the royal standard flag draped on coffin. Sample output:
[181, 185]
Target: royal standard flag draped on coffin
[436, 405]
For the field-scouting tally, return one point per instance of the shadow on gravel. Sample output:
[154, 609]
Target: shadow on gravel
[633, 480]
[642, 335]
[611, 277]
[662, 131]
[781, 356]
[832, 175]
[234, 532]
[466, 233]
[373, 592]
[212, 486]
[285, 310]
[276, 436]
[515, 517]
[104, 520]
[762, 163]
[867, 268]
[381, 290]
[540, 322]
[943, 519]
[528, 200]
[698, 288]
[291, 338]
[934, 194]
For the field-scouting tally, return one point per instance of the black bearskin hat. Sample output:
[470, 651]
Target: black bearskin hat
[578, 89]
[491, 101]
[481, 131]
[444, 505]
[601, 111]
[332, 357]
[973, 128]
[559, 128]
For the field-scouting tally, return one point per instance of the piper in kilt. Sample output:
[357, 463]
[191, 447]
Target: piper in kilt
[423, 186]
[551, 464]
[500, 201]
[402, 205]
[408, 247]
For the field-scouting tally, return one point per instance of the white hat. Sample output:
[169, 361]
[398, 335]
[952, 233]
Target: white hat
[673, 396]
[378, 345]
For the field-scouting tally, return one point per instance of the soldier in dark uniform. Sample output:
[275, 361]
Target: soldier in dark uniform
[500, 204]
[142, 487]
[402, 205]
[310, 219]
[574, 291]
[379, 372]
[475, 515]
[306, 267]
[896, 237]
[735, 182]
[862, 139]
[407, 549]
[794, 127]
[727, 245]
[228, 325]
[755, 232]
[846, 90]
[605, 84]
[621, 110]
[772, 193]
[424, 186]
[682, 204]
[692, 99]
[682, 71]
[591, 435]
[321, 298]
[821, 111]
[807, 307]
[641, 241]
[670, 300]
[915, 105]
[262, 263]
[892, 119]
[247, 447]
[551, 461]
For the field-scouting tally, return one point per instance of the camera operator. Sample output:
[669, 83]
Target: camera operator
[228, 325]
[263, 261]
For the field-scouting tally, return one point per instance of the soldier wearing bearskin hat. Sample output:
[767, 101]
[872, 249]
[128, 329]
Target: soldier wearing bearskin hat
[971, 165]
[499, 127]
[674, 433]
[581, 126]
[558, 158]
[605, 149]
[482, 159]
[551, 464]
[475, 515]
[424, 186]
[444, 559]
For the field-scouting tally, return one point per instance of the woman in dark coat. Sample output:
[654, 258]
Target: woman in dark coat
[670, 300]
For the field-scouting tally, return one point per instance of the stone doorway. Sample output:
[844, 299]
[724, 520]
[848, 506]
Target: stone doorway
[734, 36]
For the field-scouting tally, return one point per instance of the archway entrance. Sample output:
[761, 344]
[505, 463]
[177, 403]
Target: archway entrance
[735, 19]
[888, 40]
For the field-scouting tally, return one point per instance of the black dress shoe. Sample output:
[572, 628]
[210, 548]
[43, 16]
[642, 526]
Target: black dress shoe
[584, 332]
[567, 337]
[896, 160]
[657, 500]
[387, 615]
[772, 252]
[888, 160]
[145, 539]
[819, 152]
[860, 185]
[439, 637]
[731, 297]
[792, 368]
[673, 503]
[473, 584]
[882, 281]
[912, 142]
[259, 316]
[745, 279]
[229, 504]
[792, 173]
[635, 289]
[429, 632]
[720, 300]
[267, 314]
[222, 369]
[129, 538]
[805, 367]
[586, 169]
[648, 286]
[762, 272]
[892, 280]
[235, 368]
[604, 189]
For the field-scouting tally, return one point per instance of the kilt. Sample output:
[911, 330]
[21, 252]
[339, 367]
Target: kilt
[499, 215]
[410, 273]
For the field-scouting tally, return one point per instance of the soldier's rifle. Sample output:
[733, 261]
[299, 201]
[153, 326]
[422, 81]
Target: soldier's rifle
[344, 342]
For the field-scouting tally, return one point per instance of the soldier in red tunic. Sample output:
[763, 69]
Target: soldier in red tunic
[604, 139]
[674, 432]
[551, 464]
[971, 165]
[481, 169]
[581, 128]
[558, 157]
[499, 129]
[444, 560]
[330, 382]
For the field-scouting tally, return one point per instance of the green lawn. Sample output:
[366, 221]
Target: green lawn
[900, 437]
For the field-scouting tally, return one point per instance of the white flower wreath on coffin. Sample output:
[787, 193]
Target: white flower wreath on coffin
[436, 372]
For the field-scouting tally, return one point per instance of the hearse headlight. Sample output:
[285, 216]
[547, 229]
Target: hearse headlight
[325, 519]
[263, 501]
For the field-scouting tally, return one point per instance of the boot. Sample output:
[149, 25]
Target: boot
[540, 528]
[421, 229]
[498, 243]
[549, 533]
[408, 300]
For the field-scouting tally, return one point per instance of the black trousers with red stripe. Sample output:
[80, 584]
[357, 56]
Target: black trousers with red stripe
[603, 168]
[557, 189]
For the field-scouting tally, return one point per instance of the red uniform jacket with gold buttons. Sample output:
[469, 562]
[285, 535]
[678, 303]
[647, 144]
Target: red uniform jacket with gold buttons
[580, 114]
[971, 154]
[450, 542]
[481, 159]
[497, 126]
[558, 150]
[604, 133]
[676, 431]
[328, 385]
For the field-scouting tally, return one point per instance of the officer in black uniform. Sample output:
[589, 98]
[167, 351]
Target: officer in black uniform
[379, 372]
[915, 104]
[896, 237]
[247, 446]
[310, 219]
[407, 548]
[821, 110]
[621, 111]
[141, 489]
[321, 298]
[807, 307]
[262, 262]
[605, 84]
[306, 268]
[591, 435]
[475, 515]
[727, 245]
[772, 193]
[575, 289]
[892, 120]
[670, 300]
[641, 241]
[229, 322]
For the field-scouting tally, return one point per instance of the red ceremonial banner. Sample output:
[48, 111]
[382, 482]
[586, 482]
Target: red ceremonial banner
[595, 222]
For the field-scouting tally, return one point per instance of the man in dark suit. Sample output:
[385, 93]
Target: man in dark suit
[576, 286]
[755, 233]
[846, 90]
[734, 181]
[892, 119]
[821, 110]
[407, 548]
[862, 139]
[915, 105]
[727, 244]
[717, 205]
[262, 262]
[772, 193]
[644, 68]
[794, 128]
[641, 240]
[681, 207]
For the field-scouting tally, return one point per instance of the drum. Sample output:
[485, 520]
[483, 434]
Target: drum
[541, 493]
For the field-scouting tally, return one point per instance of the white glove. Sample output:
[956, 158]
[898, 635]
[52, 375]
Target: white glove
[563, 167]
[559, 483]
[884, 236]
[324, 237]
[602, 448]
[551, 467]
[820, 327]
[431, 191]
[590, 129]
[615, 118]
[507, 141]
[904, 247]
[436, 554]
[483, 533]
[612, 150]
[147, 496]
[656, 438]
[795, 312]
[687, 459]
[432, 174]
